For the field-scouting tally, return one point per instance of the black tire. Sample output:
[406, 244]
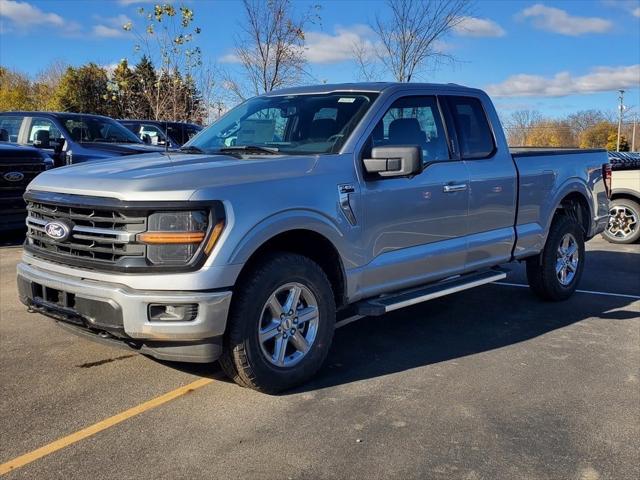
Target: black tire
[243, 359]
[541, 269]
[634, 208]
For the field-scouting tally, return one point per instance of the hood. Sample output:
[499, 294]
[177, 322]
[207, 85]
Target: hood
[168, 176]
[115, 149]
[13, 153]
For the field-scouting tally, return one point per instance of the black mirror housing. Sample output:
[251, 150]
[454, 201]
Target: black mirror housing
[394, 161]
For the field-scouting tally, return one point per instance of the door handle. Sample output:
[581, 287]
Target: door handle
[460, 187]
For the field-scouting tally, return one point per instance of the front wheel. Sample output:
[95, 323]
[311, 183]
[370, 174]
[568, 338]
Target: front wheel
[555, 273]
[624, 222]
[281, 324]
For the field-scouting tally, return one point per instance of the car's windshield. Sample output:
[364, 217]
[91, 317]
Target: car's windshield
[296, 124]
[97, 129]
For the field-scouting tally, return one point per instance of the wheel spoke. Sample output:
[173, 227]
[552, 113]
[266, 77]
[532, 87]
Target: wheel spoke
[269, 332]
[292, 299]
[572, 250]
[275, 307]
[280, 350]
[300, 342]
[559, 265]
[307, 314]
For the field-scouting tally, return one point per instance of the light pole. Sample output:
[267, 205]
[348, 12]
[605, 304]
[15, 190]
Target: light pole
[633, 134]
[621, 109]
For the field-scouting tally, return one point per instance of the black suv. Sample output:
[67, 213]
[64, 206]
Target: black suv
[169, 134]
[71, 137]
[18, 166]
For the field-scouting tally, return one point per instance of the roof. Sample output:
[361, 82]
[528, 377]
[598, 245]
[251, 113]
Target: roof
[374, 87]
[53, 114]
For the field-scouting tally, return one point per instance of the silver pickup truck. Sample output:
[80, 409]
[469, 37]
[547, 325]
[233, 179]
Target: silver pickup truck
[296, 208]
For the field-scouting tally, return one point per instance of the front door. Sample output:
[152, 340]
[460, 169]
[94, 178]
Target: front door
[414, 227]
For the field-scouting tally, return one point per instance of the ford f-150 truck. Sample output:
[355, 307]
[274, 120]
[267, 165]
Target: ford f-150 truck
[295, 208]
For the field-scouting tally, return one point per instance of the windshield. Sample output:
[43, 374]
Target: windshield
[296, 124]
[97, 129]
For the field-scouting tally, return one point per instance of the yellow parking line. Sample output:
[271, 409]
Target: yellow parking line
[63, 442]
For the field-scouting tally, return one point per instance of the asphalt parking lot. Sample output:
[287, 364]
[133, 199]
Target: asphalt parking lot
[485, 384]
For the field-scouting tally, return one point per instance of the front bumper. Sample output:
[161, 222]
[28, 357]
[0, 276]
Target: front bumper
[117, 312]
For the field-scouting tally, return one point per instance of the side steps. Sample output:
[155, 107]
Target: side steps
[388, 303]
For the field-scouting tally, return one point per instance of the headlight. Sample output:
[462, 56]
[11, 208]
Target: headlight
[174, 238]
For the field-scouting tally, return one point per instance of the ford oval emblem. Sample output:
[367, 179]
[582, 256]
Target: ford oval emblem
[13, 176]
[59, 230]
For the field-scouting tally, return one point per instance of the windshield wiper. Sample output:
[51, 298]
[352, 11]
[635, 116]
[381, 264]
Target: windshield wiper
[192, 149]
[250, 148]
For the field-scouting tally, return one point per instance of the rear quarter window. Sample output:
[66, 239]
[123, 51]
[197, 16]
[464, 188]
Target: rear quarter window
[472, 127]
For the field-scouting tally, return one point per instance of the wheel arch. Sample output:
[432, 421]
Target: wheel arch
[310, 243]
[576, 205]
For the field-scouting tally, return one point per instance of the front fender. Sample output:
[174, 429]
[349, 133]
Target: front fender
[298, 219]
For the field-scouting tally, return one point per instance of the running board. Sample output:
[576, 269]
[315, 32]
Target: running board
[389, 303]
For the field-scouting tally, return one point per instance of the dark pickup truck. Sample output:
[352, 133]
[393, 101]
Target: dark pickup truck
[18, 166]
[71, 137]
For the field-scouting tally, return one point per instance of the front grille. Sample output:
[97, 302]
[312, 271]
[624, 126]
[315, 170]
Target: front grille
[11, 192]
[103, 236]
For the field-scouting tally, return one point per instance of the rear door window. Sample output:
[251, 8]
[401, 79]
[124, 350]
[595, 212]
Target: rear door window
[472, 126]
[10, 128]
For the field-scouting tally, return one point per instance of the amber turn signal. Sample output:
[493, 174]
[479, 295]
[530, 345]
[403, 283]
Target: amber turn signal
[213, 238]
[164, 238]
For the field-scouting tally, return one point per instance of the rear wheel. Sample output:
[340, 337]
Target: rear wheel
[624, 221]
[554, 274]
[281, 324]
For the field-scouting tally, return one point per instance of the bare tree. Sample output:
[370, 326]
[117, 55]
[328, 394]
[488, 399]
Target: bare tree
[365, 57]
[412, 37]
[270, 47]
[520, 124]
[167, 42]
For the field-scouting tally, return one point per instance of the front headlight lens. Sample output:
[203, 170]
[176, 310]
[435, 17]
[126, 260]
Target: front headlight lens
[173, 238]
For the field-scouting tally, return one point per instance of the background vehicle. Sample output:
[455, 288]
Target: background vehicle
[71, 137]
[299, 204]
[18, 166]
[624, 220]
[175, 134]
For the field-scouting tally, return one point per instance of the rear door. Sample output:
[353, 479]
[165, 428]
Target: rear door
[492, 182]
[414, 226]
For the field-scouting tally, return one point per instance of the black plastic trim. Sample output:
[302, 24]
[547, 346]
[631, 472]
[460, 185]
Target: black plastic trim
[546, 151]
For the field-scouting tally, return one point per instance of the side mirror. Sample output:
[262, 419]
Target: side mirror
[394, 161]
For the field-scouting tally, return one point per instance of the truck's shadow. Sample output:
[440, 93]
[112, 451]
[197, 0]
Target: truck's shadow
[467, 323]
[12, 238]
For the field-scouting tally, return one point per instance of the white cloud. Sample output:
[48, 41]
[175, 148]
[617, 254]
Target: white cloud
[600, 79]
[25, 15]
[478, 27]
[111, 27]
[636, 12]
[229, 58]
[326, 48]
[559, 21]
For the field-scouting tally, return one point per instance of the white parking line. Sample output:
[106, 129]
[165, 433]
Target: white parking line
[592, 292]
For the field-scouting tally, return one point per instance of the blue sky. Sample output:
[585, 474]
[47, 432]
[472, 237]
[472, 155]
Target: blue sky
[554, 56]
